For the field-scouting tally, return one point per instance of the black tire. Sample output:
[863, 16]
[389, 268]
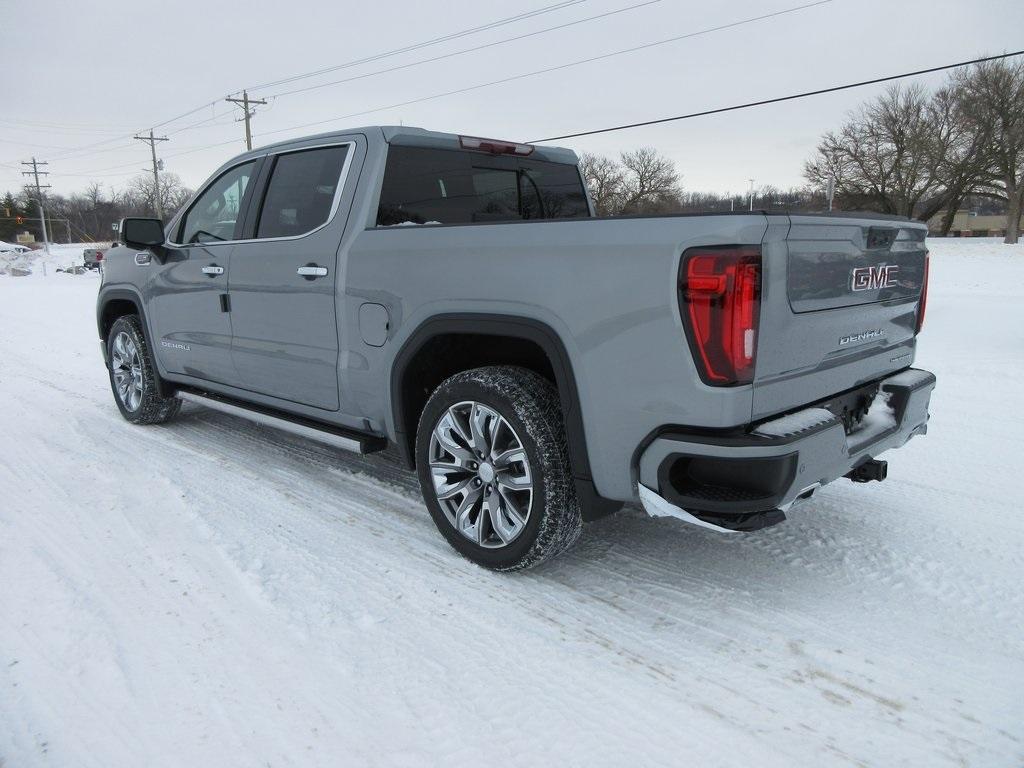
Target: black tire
[151, 408]
[529, 404]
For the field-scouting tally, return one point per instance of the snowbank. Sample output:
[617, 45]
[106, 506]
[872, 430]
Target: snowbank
[61, 256]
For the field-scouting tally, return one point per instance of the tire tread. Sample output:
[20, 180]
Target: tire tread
[154, 408]
[536, 404]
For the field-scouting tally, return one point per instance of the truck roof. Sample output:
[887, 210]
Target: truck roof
[408, 136]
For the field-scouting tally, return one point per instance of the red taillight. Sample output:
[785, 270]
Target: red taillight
[494, 146]
[924, 295]
[99, 255]
[720, 291]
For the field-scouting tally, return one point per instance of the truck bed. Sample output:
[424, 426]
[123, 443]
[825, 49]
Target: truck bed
[608, 288]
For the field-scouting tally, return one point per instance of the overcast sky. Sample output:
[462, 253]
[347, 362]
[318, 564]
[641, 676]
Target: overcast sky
[84, 75]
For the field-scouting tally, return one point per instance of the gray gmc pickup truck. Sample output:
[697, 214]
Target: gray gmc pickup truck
[456, 298]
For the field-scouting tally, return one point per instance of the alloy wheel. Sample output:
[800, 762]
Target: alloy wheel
[481, 474]
[126, 365]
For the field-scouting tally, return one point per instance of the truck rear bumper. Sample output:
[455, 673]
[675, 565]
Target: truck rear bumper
[748, 480]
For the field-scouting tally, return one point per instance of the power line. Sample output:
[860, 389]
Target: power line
[90, 149]
[425, 44]
[709, 30]
[62, 124]
[791, 97]
[465, 50]
[643, 123]
[29, 144]
[201, 123]
[102, 171]
[556, 68]
[680, 117]
[207, 122]
[58, 131]
[82, 151]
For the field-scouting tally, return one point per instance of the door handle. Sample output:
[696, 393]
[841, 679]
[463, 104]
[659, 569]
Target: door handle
[213, 270]
[311, 271]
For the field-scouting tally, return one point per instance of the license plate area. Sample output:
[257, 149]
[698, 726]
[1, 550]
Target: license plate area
[851, 406]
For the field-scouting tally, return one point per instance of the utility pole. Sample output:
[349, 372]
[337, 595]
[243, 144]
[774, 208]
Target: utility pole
[152, 140]
[36, 173]
[751, 193]
[245, 101]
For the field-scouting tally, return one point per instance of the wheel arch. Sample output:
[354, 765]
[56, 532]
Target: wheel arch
[114, 303]
[511, 340]
[118, 302]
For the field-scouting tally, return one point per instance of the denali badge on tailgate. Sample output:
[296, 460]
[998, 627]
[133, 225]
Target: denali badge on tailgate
[853, 338]
[872, 278]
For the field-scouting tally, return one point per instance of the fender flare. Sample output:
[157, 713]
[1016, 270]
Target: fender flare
[107, 295]
[554, 349]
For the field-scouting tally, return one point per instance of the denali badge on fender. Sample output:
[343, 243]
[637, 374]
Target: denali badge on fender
[873, 278]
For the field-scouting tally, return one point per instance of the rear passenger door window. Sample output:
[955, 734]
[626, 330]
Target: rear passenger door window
[302, 191]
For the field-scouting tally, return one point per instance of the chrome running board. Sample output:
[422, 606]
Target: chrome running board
[323, 433]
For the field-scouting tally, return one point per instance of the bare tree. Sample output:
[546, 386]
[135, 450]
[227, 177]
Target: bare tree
[651, 182]
[959, 151]
[88, 215]
[882, 158]
[992, 98]
[605, 179]
[641, 181]
[140, 194]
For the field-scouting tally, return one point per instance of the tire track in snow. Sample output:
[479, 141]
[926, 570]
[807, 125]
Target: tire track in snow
[320, 592]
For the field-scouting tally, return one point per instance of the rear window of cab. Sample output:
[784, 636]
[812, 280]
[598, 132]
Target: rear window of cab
[440, 186]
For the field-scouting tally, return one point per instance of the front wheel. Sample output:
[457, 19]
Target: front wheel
[493, 465]
[133, 375]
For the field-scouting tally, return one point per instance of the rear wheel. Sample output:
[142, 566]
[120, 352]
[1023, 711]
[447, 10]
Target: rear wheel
[133, 375]
[493, 465]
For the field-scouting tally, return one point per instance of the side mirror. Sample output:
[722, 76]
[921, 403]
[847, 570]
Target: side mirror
[142, 233]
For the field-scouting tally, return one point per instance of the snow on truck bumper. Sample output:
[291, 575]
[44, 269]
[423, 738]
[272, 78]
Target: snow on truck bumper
[745, 482]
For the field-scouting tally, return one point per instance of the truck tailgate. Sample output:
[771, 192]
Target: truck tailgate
[839, 307]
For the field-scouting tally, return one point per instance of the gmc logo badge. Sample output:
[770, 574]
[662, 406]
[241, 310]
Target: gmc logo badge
[873, 278]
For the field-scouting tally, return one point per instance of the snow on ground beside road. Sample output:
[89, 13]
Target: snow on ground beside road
[61, 256]
[210, 593]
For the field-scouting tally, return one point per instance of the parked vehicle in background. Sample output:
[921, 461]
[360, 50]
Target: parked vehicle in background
[456, 298]
[92, 257]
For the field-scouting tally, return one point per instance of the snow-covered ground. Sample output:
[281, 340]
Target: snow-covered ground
[210, 593]
[61, 256]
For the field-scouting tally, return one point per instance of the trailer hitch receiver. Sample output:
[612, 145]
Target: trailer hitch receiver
[872, 469]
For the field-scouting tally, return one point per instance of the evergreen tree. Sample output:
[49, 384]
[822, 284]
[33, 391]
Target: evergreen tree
[10, 209]
[30, 210]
